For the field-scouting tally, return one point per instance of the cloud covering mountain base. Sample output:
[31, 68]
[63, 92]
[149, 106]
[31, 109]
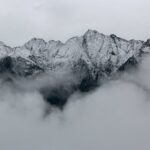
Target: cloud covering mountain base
[115, 116]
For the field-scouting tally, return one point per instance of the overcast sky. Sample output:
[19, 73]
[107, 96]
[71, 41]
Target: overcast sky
[21, 20]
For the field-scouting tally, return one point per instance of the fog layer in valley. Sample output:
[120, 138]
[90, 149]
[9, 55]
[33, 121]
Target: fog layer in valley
[116, 116]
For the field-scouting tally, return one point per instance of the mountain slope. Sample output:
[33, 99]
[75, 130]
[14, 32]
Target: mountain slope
[89, 58]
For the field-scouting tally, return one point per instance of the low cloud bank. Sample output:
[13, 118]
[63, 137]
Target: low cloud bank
[114, 117]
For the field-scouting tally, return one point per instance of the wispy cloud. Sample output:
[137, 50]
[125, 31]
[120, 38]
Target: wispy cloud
[115, 116]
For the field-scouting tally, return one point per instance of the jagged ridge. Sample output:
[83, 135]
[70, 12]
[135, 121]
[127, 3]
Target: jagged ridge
[89, 57]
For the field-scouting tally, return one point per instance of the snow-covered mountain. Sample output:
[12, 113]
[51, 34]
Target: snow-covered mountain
[97, 50]
[89, 57]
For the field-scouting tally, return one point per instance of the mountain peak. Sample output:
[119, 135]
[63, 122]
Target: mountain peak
[88, 58]
[94, 48]
[113, 36]
[147, 43]
[90, 32]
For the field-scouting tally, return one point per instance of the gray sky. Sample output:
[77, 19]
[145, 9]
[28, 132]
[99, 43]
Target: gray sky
[21, 20]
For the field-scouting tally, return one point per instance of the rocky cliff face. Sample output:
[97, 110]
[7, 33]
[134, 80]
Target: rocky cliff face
[90, 58]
